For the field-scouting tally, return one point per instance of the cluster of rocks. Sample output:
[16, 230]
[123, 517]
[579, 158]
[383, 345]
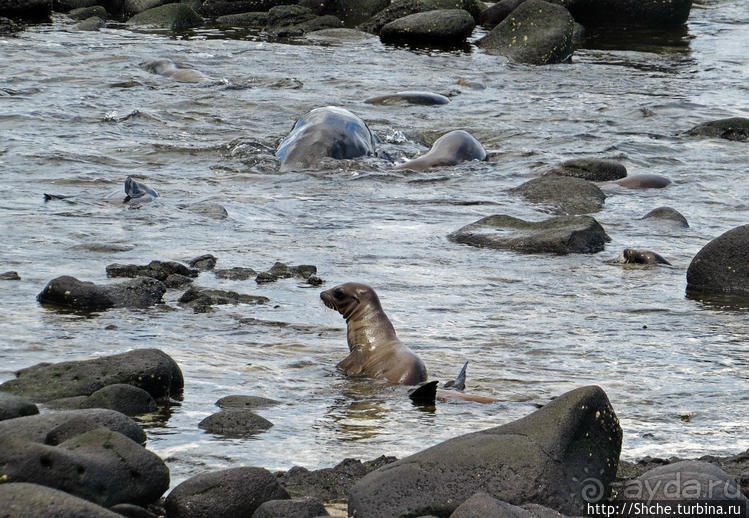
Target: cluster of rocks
[151, 281]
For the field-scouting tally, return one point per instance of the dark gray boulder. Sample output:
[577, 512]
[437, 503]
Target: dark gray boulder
[10, 276]
[474, 7]
[201, 298]
[176, 280]
[496, 13]
[299, 508]
[536, 33]
[354, 12]
[441, 26]
[562, 194]
[132, 7]
[591, 169]
[87, 12]
[316, 23]
[121, 397]
[735, 128]
[160, 270]
[683, 481]
[69, 292]
[395, 10]
[483, 505]
[669, 215]
[132, 511]
[102, 466]
[251, 19]
[228, 493]
[48, 428]
[329, 484]
[550, 457]
[12, 406]
[237, 273]
[721, 267]
[215, 8]
[235, 422]
[283, 15]
[281, 270]
[93, 23]
[149, 369]
[24, 500]
[630, 13]
[176, 17]
[560, 235]
[246, 402]
[203, 263]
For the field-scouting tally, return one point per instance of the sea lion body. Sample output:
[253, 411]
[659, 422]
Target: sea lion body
[421, 98]
[450, 149]
[329, 131]
[168, 68]
[644, 181]
[632, 256]
[375, 350]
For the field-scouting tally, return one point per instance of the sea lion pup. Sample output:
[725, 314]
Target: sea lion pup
[168, 68]
[632, 256]
[450, 149]
[375, 350]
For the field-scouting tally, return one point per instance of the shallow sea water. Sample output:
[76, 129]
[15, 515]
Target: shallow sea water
[77, 115]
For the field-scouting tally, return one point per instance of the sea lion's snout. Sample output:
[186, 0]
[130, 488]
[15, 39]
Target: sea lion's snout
[327, 299]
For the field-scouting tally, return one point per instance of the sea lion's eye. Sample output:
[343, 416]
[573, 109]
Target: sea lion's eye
[338, 293]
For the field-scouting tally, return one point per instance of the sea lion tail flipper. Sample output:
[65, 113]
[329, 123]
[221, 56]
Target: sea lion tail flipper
[458, 383]
[425, 394]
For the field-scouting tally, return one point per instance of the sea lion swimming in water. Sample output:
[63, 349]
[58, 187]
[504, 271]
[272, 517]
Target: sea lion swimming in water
[329, 131]
[644, 181]
[427, 394]
[138, 191]
[168, 68]
[375, 350]
[450, 149]
[632, 256]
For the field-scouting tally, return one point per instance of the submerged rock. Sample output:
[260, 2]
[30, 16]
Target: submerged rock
[591, 169]
[69, 292]
[536, 33]
[22, 500]
[735, 128]
[200, 298]
[397, 9]
[155, 269]
[551, 457]
[354, 12]
[442, 26]
[560, 235]
[149, 369]
[562, 194]
[235, 492]
[235, 422]
[721, 267]
[246, 402]
[10, 276]
[94, 23]
[237, 273]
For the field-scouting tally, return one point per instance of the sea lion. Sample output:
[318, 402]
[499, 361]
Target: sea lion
[136, 191]
[168, 68]
[427, 394]
[375, 350]
[667, 214]
[644, 181]
[329, 131]
[632, 256]
[450, 149]
[422, 98]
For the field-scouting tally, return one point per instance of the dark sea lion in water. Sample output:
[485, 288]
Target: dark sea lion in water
[458, 383]
[138, 192]
[450, 149]
[644, 181]
[427, 394]
[329, 131]
[375, 350]
[667, 214]
[632, 256]
[422, 98]
[168, 68]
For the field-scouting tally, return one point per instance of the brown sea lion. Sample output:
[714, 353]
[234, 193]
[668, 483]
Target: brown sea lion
[632, 256]
[644, 181]
[168, 68]
[450, 149]
[375, 350]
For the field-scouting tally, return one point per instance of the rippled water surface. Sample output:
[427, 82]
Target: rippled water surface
[77, 115]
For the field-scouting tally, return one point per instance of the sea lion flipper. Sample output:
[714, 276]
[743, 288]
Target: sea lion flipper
[458, 383]
[354, 363]
[425, 394]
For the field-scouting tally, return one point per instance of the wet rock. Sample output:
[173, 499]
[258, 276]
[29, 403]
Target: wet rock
[397, 9]
[721, 266]
[315, 24]
[442, 26]
[10, 276]
[283, 15]
[121, 397]
[329, 483]
[26, 9]
[87, 12]
[560, 235]
[591, 169]
[235, 423]
[667, 214]
[39, 428]
[540, 511]
[482, 505]
[211, 210]
[228, 493]
[562, 194]
[420, 98]
[549, 457]
[354, 12]
[132, 7]
[196, 297]
[683, 481]
[204, 263]
[630, 13]
[15, 406]
[252, 19]
[132, 511]
[94, 23]
[314, 280]
[214, 8]
[536, 33]
[496, 13]
[176, 17]
[644, 181]
[300, 508]
[735, 128]
[8, 26]
[236, 274]
[69, 292]
[176, 280]
[156, 269]
[22, 500]
[246, 402]
[474, 7]
[102, 466]
[284, 271]
[149, 369]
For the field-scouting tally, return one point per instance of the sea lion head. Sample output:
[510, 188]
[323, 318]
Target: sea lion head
[350, 299]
